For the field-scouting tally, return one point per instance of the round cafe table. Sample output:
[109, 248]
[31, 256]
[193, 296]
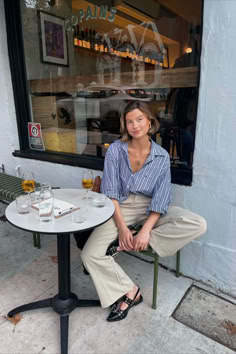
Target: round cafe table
[65, 301]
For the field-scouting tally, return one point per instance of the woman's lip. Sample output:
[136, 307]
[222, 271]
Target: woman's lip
[136, 132]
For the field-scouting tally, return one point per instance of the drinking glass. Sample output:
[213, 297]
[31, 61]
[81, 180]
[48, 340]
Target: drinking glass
[99, 200]
[45, 185]
[46, 205]
[28, 182]
[87, 183]
[23, 204]
[35, 196]
[78, 216]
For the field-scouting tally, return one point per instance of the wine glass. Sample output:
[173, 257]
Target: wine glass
[87, 183]
[28, 182]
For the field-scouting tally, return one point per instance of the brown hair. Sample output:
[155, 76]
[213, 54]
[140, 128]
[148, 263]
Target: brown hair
[143, 107]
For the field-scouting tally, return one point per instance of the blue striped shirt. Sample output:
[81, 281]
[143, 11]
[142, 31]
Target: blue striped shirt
[152, 180]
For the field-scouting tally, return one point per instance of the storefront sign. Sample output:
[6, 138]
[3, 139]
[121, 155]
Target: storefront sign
[99, 12]
[95, 13]
[35, 136]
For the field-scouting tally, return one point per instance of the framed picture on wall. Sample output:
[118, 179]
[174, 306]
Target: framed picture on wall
[53, 39]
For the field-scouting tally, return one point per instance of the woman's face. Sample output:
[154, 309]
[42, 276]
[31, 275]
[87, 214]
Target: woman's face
[137, 124]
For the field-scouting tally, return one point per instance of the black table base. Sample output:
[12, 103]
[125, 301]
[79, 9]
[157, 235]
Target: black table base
[65, 301]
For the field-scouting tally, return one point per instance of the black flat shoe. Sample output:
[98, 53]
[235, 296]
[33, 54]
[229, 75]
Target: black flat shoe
[112, 249]
[115, 304]
[85, 270]
[117, 314]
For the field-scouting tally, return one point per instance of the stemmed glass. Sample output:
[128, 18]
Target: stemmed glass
[28, 182]
[87, 183]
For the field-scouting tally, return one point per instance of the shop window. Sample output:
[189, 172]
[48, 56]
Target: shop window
[85, 59]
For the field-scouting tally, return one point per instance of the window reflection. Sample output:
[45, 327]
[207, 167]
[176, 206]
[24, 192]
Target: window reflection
[118, 51]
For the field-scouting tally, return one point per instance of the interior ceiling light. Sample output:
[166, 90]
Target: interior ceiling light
[188, 50]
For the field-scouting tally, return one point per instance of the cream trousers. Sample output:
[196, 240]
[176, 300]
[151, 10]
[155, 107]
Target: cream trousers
[172, 232]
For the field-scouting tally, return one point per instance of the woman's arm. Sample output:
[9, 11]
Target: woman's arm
[141, 241]
[161, 198]
[125, 235]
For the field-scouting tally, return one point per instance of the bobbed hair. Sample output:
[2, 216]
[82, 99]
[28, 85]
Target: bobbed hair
[143, 107]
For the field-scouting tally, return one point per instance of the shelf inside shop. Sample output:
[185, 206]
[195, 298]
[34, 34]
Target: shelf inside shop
[123, 55]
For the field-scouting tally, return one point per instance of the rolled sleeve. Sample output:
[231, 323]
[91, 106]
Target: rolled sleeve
[162, 194]
[110, 179]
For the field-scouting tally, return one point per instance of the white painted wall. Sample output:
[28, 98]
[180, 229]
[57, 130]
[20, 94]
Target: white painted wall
[212, 258]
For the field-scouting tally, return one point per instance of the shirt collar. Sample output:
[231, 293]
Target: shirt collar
[156, 150]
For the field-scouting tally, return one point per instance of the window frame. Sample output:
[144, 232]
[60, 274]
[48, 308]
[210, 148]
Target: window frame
[16, 53]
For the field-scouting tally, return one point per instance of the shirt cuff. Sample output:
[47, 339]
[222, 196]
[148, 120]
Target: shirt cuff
[112, 195]
[161, 211]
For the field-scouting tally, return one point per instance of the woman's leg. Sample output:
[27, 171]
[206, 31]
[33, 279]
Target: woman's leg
[110, 280]
[176, 229]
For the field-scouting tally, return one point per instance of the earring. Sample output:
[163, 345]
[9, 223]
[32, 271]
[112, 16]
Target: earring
[150, 127]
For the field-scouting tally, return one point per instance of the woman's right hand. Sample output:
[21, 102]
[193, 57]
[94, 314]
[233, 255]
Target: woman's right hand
[125, 239]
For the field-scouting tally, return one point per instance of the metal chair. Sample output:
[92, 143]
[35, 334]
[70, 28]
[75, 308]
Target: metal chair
[10, 188]
[151, 253]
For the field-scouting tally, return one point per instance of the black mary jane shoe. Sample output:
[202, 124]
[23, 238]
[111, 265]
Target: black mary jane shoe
[117, 314]
[112, 249]
[115, 304]
[85, 270]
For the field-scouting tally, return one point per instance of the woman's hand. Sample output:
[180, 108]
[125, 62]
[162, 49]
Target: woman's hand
[141, 240]
[125, 239]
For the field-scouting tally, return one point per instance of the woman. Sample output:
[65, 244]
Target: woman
[137, 179]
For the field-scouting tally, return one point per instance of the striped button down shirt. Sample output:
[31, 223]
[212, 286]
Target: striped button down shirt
[152, 180]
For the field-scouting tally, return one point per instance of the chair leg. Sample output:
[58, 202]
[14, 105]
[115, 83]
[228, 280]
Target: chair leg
[178, 264]
[155, 281]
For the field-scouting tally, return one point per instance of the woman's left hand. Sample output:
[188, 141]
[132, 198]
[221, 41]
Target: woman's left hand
[141, 241]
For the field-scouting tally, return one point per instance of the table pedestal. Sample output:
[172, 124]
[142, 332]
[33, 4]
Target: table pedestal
[65, 301]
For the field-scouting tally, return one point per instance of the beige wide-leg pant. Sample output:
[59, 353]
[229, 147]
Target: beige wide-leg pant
[172, 232]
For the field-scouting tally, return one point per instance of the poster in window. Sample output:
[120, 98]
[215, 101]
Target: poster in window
[35, 136]
[53, 39]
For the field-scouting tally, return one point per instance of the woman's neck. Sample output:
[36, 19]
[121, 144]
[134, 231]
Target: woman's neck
[140, 144]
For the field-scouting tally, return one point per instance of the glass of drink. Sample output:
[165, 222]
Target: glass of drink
[87, 183]
[23, 204]
[35, 196]
[99, 200]
[78, 216]
[45, 185]
[28, 182]
[46, 205]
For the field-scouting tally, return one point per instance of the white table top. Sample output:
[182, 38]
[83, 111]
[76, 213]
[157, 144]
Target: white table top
[94, 217]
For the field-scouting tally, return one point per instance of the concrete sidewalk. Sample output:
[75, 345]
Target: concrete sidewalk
[29, 274]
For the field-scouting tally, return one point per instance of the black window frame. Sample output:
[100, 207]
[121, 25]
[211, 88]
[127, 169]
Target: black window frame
[181, 176]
